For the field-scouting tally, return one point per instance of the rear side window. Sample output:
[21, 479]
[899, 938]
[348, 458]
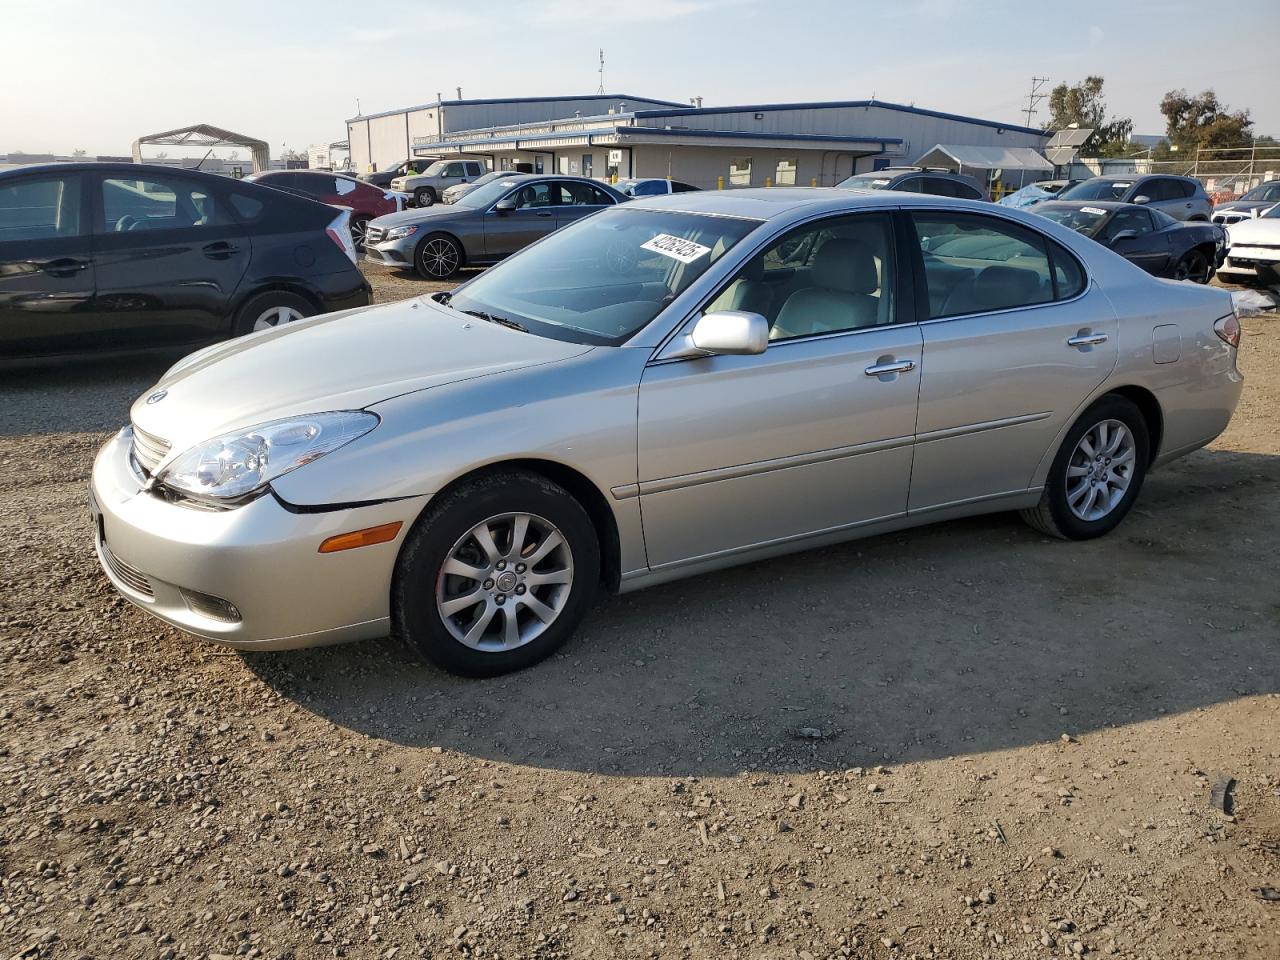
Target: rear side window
[976, 264]
[649, 188]
[40, 208]
[474, 170]
[1188, 188]
[157, 203]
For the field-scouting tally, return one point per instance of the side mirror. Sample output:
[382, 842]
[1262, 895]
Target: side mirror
[1255, 213]
[505, 205]
[1123, 235]
[731, 332]
[1142, 199]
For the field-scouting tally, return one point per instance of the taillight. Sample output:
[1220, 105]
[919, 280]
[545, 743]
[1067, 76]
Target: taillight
[1228, 330]
[340, 233]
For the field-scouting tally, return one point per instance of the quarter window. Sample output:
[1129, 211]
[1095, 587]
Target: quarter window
[40, 208]
[828, 277]
[155, 203]
[975, 264]
[740, 172]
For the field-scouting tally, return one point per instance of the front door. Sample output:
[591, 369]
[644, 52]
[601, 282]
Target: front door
[812, 436]
[1014, 340]
[534, 216]
[169, 256]
[46, 266]
[1146, 248]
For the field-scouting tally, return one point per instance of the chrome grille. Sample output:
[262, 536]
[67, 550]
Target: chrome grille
[148, 450]
[373, 235]
[131, 577]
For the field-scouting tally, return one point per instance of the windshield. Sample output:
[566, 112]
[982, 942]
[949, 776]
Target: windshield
[1100, 188]
[1273, 213]
[433, 170]
[601, 279]
[1084, 220]
[1268, 191]
[866, 181]
[487, 193]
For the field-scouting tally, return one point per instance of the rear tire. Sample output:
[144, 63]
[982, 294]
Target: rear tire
[1092, 485]
[1194, 266]
[479, 591]
[424, 196]
[273, 308]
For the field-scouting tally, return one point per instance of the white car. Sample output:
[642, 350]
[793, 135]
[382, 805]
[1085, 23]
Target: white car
[1253, 249]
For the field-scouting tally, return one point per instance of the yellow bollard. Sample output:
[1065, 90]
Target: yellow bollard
[813, 181]
[768, 181]
[719, 183]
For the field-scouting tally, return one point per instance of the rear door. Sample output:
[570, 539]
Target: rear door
[46, 266]
[1014, 340]
[534, 216]
[578, 200]
[169, 258]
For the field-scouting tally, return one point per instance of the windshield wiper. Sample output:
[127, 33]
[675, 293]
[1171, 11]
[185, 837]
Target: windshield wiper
[500, 321]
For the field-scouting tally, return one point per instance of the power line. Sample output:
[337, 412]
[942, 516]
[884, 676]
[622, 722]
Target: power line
[1034, 97]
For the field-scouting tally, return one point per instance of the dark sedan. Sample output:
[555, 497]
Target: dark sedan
[101, 257]
[1149, 238]
[485, 225]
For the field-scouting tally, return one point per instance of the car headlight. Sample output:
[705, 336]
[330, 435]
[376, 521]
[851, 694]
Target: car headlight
[399, 233]
[238, 464]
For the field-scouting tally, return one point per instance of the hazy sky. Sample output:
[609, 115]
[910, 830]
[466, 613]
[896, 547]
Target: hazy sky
[95, 74]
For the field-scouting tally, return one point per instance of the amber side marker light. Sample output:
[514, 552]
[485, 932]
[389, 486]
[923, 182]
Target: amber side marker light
[361, 538]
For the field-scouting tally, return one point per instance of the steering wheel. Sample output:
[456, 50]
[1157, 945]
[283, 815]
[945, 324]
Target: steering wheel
[125, 223]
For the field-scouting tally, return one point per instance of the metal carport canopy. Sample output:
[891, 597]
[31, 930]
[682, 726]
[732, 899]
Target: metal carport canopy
[985, 158]
[206, 135]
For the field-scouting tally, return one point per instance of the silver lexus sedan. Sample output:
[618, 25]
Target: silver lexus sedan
[666, 387]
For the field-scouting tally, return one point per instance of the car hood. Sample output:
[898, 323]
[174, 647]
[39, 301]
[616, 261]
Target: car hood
[417, 215]
[1261, 230]
[1245, 205]
[339, 361]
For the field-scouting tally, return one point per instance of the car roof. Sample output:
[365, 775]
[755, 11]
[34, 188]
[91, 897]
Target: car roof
[101, 166]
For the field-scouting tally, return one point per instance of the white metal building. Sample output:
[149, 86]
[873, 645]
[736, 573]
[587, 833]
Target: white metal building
[733, 146]
[382, 140]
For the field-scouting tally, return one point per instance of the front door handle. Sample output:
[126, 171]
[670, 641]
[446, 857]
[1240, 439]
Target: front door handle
[890, 366]
[546, 215]
[1086, 339]
[220, 250]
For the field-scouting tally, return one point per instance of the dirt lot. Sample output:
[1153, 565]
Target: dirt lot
[959, 742]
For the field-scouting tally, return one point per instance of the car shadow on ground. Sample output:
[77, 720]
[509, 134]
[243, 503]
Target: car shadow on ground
[82, 395]
[970, 636]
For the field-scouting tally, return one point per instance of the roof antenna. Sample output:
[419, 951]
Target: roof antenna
[600, 89]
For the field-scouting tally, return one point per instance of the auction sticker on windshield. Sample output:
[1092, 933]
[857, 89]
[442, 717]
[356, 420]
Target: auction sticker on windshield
[686, 251]
[1096, 211]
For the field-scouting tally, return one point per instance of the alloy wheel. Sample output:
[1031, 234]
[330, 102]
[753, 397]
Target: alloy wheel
[1100, 470]
[504, 582]
[276, 317]
[358, 230]
[439, 257]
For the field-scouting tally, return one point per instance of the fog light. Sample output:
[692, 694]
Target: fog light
[206, 605]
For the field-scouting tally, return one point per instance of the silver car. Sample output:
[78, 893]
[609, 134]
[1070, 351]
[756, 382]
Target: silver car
[670, 386]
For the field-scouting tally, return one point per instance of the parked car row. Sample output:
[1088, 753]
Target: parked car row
[364, 200]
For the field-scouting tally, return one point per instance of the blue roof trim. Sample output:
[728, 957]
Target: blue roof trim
[819, 105]
[755, 135]
[462, 103]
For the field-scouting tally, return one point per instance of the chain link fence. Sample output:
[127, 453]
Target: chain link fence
[1226, 173]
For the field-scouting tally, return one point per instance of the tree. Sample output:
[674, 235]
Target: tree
[1083, 105]
[1204, 122]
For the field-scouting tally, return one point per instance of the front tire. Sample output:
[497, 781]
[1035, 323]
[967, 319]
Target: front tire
[359, 227]
[438, 257]
[1097, 473]
[496, 576]
[424, 196]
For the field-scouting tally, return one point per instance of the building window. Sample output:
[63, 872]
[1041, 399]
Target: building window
[786, 174]
[740, 172]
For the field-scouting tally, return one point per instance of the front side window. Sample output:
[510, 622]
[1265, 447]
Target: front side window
[606, 276]
[534, 195]
[975, 264]
[740, 172]
[829, 277]
[785, 175]
[155, 203]
[1137, 221]
[40, 208]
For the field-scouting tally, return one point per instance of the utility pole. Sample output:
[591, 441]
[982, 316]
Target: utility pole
[1035, 96]
[600, 89]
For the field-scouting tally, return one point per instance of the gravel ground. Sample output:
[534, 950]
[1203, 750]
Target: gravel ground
[959, 742]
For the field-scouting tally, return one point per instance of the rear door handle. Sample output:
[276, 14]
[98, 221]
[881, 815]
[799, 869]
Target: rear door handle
[1086, 339]
[891, 366]
[220, 250]
[63, 266]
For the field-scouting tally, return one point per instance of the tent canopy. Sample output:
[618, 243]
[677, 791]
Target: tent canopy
[986, 158]
[205, 135]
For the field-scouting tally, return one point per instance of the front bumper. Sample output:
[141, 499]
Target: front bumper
[392, 253]
[1260, 262]
[172, 560]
